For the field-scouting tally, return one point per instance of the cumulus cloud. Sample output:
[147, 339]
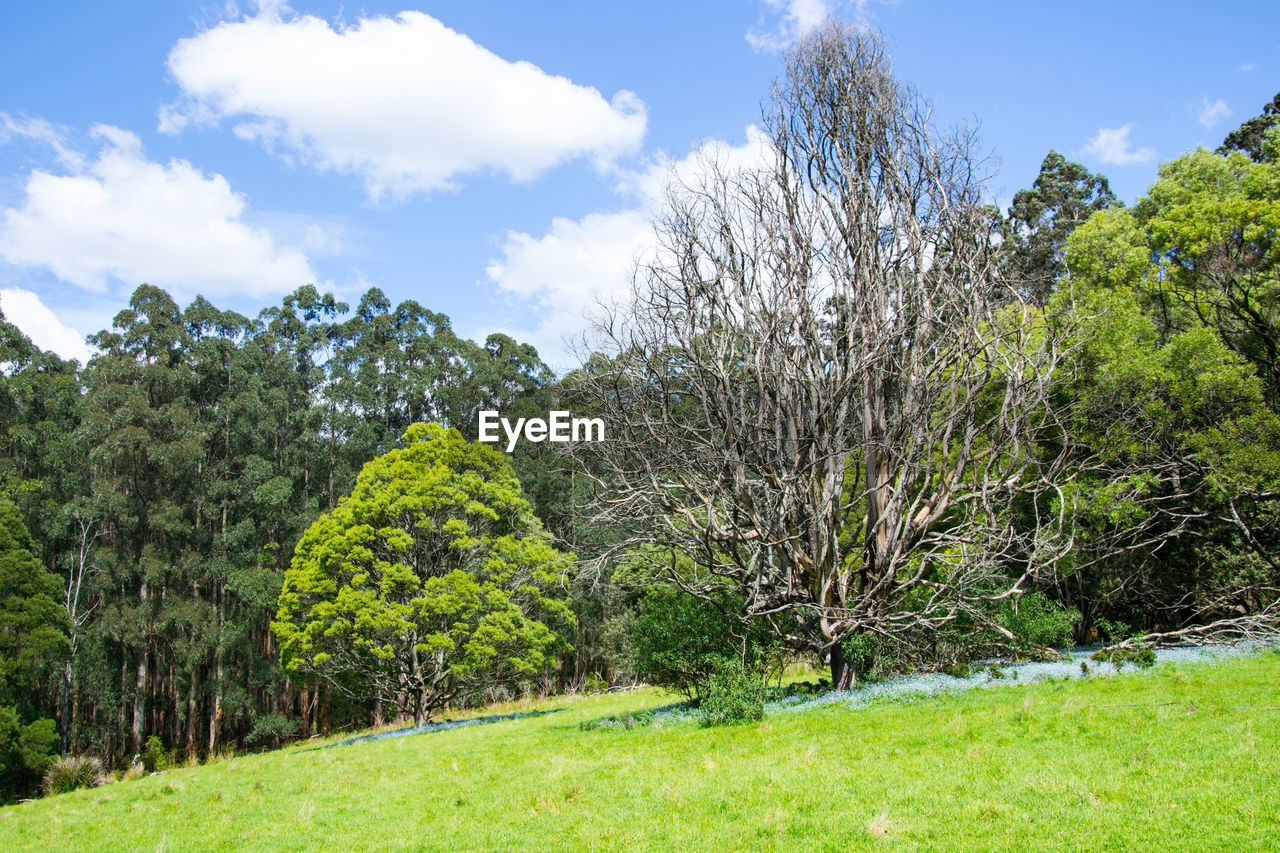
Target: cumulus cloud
[24, 309]
[405, 103]
[128, 218]
[577, 264]
[1111, 147]
[1212, 113]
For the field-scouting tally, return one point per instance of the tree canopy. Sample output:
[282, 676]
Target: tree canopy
[431, 580]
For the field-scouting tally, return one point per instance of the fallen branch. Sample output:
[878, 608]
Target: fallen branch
[1263, 626]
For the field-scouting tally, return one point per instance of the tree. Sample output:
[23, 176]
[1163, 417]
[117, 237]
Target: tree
[33, 643]
[1249, 137]
[821, 392]
[431, 581]
[1041, 219]
[1178, 386]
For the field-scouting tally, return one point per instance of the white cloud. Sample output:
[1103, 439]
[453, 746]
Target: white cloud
[783, 22]
[125, 217]
[1111, 147]
[39, 130]
[579, 264]
[24, 309]
[1212, 113]
[406, 103]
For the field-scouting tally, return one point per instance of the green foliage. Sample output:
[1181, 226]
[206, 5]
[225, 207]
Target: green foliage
[271, 730]
[1172, 396]
[25, 752]
[733, 694]
[33, 642]
[1250, 136]
[33, 624]
[71, 772]
[1036, 623]
[1142, 657]
[681, 641]
[155, 757]
[875, 657]
[1064, 195]
[432, 580]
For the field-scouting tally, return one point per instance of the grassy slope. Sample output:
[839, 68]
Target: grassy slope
[1104, 764]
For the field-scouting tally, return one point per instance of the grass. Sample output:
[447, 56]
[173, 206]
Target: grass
[1169, 760]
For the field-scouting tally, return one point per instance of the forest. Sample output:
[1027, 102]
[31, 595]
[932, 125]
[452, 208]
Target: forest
[1044, 426]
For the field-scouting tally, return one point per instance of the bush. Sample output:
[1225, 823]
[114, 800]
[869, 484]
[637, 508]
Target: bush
[875, 657]
[1143, 658]
[69, 772]
[271, 730]
[734, 694]
[155, 757]
[681, 642]
[1037, 623]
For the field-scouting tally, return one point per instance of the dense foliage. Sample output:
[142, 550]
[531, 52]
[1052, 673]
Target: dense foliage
[432, 581]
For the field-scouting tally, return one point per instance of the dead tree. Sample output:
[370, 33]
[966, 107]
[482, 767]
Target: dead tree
[820, 390]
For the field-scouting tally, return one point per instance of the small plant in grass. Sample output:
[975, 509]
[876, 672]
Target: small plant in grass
[734, 694]
[69, 772]
[155, 757]
[1144, 658]
[958, 669]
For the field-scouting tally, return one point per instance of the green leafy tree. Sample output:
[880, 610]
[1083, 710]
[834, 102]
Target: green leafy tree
[1249, 136]
[1064, 195]
[1172, 399]
[432, 581]
[33, 643]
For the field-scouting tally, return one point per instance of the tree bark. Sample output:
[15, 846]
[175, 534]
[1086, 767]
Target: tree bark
[843, 676]
[140, 684]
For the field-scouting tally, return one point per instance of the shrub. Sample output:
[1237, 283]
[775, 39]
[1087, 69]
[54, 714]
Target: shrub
[875, 657]
[271, 729]
[1143, 658]
[1037, 623]
[679, 641]
[69, 772]
[155, 757]
[734, 694]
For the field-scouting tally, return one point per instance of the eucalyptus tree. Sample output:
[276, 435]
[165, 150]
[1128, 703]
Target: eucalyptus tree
[1249, 137]
[1041, 218]
[821, 391]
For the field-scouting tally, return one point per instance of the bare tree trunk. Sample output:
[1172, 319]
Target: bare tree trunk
[843, 676]
[66, 707]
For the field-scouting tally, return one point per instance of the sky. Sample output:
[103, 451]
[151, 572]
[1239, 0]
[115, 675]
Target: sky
[502, 162]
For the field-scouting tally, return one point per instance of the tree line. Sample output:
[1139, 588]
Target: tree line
[166, 483]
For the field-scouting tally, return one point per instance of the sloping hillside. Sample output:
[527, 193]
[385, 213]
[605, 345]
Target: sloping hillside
[1179, 758]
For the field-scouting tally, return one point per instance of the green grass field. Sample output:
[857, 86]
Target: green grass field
[1185, 759]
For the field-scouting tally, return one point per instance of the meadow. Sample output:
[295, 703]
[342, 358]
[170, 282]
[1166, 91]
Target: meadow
[1176, 758]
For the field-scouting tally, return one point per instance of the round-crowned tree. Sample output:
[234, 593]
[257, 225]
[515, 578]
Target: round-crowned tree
[431, 581]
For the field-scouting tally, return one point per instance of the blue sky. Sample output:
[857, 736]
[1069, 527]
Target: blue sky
[500, 161]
